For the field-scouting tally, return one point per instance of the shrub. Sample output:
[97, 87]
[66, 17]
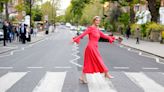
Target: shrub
[162, 31]
[134, 27]
[152, 26]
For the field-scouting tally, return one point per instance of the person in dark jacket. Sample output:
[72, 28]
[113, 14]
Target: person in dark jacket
[23, 33]
[128, 33]
[5, 29]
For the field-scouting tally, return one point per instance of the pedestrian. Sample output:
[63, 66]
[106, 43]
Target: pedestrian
[137, 35]
[46, 27]
[23, 33]
[93, 62]
[5, 29]
[128, 33]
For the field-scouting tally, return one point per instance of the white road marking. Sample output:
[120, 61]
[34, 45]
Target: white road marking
[129, 49]
[157, 59]
[121, 46]
[64, 67]
[96, 83]
[147, 84]
[22, 48]
[121, 67]
[35, 67]
[72, 61]
[150, 68]
[6, 67]
[163, 73]
[52, 82]
[140, 53]
[4, 56]
[9, 80]
[11, 53]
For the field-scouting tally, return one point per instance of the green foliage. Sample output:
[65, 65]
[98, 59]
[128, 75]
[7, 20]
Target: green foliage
[143, 30]
[152, 26]
[91, 10]
[134, 27]
[68, 14]
[37, 14]
[20, 7]
[162, 31]
[48, 9]
[124, 18]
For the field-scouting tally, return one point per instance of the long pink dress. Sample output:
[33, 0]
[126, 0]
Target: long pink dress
[92, 60]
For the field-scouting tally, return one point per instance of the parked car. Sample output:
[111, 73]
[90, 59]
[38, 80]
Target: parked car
[1, 31]
[106, 33]
[73, 28]
[68, 25]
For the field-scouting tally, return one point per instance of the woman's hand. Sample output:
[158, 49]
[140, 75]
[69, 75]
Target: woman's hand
[119, 39]
[72, 41]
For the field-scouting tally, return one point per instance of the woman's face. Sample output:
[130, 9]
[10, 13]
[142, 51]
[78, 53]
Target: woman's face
[97, 22]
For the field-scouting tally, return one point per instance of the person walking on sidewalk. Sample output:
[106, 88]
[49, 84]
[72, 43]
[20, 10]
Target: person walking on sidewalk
[137, 36]
[23, 33]
[5, 29]
[93, 62]
[128, 33]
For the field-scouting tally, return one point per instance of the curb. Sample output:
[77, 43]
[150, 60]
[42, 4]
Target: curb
[16, 48]
[144, 51]
[37, 40]
[7, 51]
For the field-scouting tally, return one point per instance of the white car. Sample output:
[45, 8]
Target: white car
[1, 31]
[73, 28]
[68, 25]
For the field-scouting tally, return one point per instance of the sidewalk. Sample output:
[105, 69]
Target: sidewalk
[154, 48]
[10, 47]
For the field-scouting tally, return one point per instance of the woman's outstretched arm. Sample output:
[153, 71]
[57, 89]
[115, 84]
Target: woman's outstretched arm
[77, 38]
[110, 38]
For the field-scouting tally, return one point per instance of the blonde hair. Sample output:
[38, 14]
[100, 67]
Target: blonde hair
[95, 17]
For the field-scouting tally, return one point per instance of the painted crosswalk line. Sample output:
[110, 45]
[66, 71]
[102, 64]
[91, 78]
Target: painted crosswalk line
[96, 83]
[52, 82]
[9, 79]
[146, 83]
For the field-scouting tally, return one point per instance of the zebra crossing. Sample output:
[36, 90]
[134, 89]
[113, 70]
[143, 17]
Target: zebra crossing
[54, 81]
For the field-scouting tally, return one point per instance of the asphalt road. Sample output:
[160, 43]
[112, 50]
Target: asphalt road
[54, 65]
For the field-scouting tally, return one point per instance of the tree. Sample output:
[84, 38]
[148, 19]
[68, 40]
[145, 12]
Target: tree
[36, 13]
[5, 2]
[154, 6]
[49, 9]
[77, 8]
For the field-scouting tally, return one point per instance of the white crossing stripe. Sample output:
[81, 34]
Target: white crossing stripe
[147, 84]
[6, 67]
[121, 67]
[35, 67]
[96, 83]
[150, 68]
[9, 79]
[52, 82]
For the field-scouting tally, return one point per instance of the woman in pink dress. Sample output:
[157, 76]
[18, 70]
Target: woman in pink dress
[93, 62]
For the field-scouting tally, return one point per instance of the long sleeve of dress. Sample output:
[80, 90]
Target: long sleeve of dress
[77, 38]
[110, 38]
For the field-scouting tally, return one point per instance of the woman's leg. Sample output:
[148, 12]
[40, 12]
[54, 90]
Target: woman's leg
[83, 78]
[107, 75]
